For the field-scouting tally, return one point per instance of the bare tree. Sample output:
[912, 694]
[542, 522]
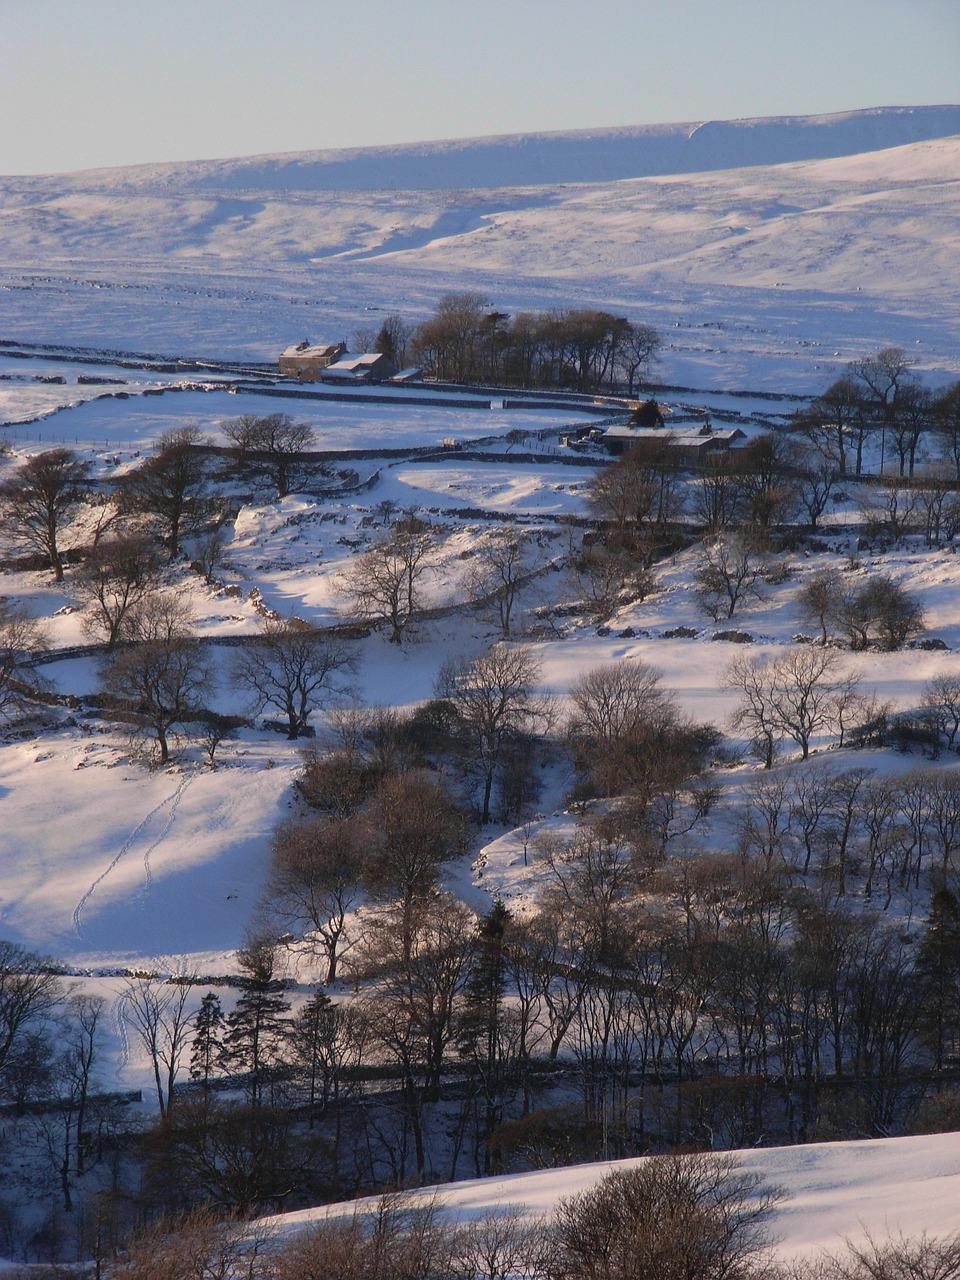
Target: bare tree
[941, 695]
[885, 609]
[911, 417]
[161, 679]
[40, 498]
[272, 446]
[170, 486]
[422, 967]
[805, 684]
[20, 638]
[881, 380]
[814, 479]
[315, 880]
[937, 493]
[495, 699]
[448, 343]
[755, 713]
[293, 667]
[946, 419]
[116, 575]
[158, 1013]
[618, 708]
[503, 563]
[673, 1217]
[393, 338]
[727, 574]
[29, 992]
[794, 696]
[386, 581]
[414, 827]
[836, 422]
[638, 348]
[818, 597]
[200, 1246]
[766, 477]
[892, 511]
[641, 490]
[717, 496]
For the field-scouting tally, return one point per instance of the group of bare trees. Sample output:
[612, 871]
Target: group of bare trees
[796, 695]
[709, 998]
[879, 399]
[581, 349]
[165, 498]
[862, 610]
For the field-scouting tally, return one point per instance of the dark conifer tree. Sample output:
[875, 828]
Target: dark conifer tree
[938, 966]
[258, 1027]
[481, 1038]
[207, 1031]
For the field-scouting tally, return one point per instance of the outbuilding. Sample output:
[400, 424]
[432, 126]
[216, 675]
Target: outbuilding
[690, 446]
[305, 360]
[374, 366]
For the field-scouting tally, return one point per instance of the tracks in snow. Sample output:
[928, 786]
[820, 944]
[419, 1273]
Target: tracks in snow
[173, 801]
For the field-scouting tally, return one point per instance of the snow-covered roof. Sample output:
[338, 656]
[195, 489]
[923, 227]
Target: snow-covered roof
[353, 363]
[307, 351]
[685, 439]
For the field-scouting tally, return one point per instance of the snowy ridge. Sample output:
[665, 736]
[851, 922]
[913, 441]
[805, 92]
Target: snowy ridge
[534, 159]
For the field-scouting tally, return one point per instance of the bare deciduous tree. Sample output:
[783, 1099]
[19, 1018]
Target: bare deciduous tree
[39, 500]
[503, 563]
[728, 574]
[272, 446]
[161, 679]
[158, 1013]
[638, 348]
[116, 576]
[169, 488]
[29, 992]
[794, 696]
[672, 1217]
[293, 667]
[315, 878]
[20, 637]
[495, 699]
[386, 581]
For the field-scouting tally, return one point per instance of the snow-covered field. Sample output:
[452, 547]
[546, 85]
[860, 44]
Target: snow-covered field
[766, 279]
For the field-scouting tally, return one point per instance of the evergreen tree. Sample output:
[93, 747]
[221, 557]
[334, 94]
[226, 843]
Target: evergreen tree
[258, 1027]
[327, 1041]
[385, 343]
[938, 966]
[207, 1030]
[481, 1037]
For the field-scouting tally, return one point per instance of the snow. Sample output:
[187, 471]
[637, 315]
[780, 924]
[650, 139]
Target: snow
[768, 277]
[832, 1192]
[764, 280]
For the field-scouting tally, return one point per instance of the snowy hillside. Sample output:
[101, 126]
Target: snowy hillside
[788, 259]
[768, 254]
[832, 1192]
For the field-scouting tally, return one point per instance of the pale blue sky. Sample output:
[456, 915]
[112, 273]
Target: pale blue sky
[86, 83]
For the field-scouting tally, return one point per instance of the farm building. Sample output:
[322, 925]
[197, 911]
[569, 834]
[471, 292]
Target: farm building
[305, 361]
[372, 367]
[691, 445]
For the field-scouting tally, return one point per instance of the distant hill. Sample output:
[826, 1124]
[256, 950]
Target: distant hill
[535, 159]
[791, 244]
